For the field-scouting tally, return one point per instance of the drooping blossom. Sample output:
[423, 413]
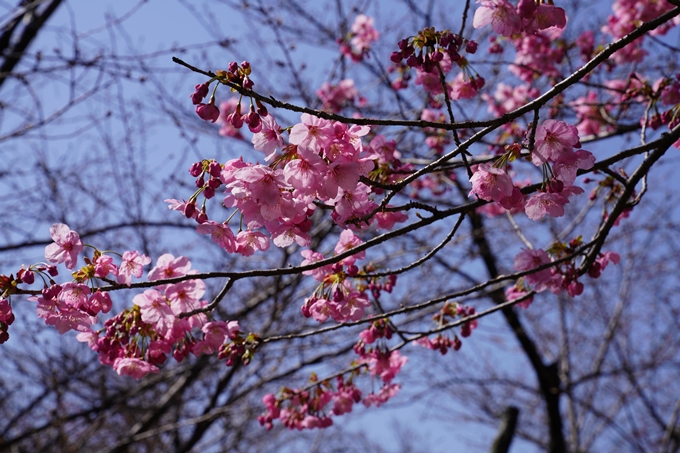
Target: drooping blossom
[220, 234]
[66, 246]
[554, 140]
[384, 394]
[491, 183]
[500, 14]
[133, 367]
[155, 309]
[104, 265]
[269, 138]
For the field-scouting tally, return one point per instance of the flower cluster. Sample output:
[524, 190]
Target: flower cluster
[337, 97]
[432, 54]
[556, 278]
[337, 296]
[238, 75]
[324, 161]
[555, 142]
[450, 312]
[139, 339]
[627, 14]
[357, 43]
[312, 408]
[528, 17]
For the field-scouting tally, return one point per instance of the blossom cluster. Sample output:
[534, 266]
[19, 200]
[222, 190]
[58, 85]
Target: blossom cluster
[559, 277]
[337, 97]
[139, 339]
[357, 43]
[432, 54]
[450, 312]
[315, 406]
[323, 162]
[341, 293]
[527, 17]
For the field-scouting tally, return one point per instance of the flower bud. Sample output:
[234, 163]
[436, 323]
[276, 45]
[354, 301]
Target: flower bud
[471, 47]
[196, 169]
[208, 112]
[215, 169]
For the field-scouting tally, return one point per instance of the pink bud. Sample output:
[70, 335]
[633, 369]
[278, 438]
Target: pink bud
[196, 169]
[253, 120]
[215, 169]
[26, 276]
[208, 112]
[471, 46]
[189, 210]
[202, 217]
[214, 183]
[526, 8]
[261, 109]
[235, 119]
[201, 92]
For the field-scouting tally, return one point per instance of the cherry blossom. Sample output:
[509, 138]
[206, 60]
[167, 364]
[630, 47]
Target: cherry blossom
[66, 246]
[500, 14]
[133, 367]
[132, 266]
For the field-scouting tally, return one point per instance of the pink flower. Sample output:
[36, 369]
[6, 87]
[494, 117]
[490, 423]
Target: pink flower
[514, 293]
[74, 294]
[336, 97]
[386, 365]
[155, 310]
[6, 315]
[311, 257]
[133, 367]
[220, 234]
[286, 234]
[216, 332]
[312, 133]
[380, 398]
[347, 241]
[491, 183]
[132, 266]
[544, 17]
[104, 266]
[248, 242]
[555, 140]
[185, 296]
[386, 220]
[66, 246]
[542, 203]
[351, 308]
[306, 173]
[500, 14]
[269, 138]
[99, 302]
[168, 266]
[227, 108]
[462, 88]
[565, 170]
[530, 259]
